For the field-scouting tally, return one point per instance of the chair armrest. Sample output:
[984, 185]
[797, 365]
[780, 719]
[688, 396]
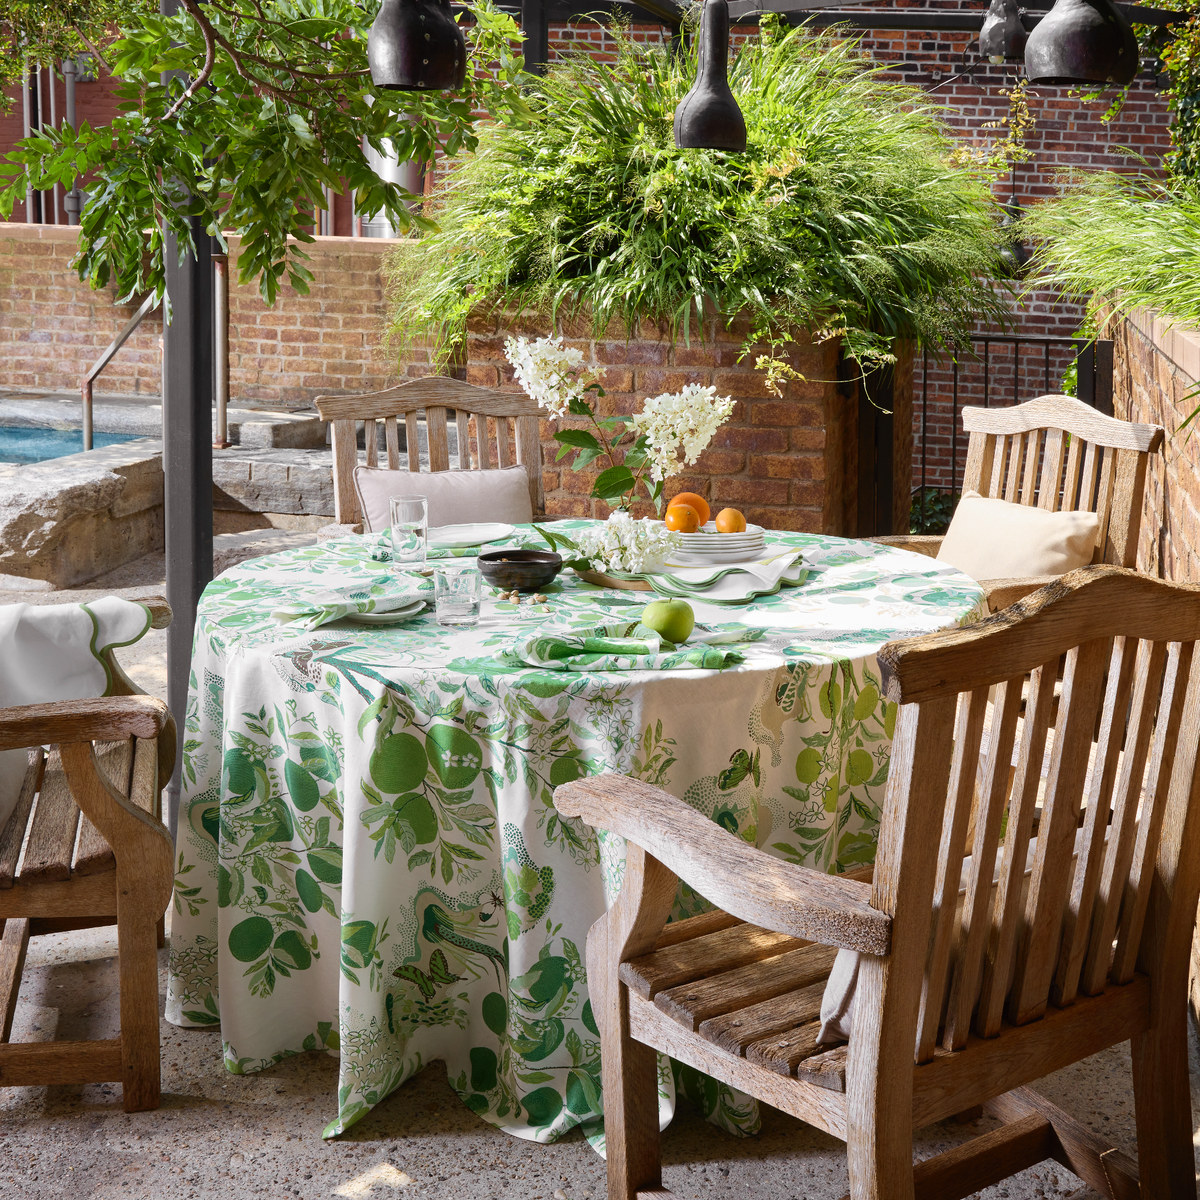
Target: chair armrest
[109, 719]
[920, 543]
[160, 610]
[740, 879]
[1003, 592]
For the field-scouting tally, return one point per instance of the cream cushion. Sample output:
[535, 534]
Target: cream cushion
[994, 539]
[455, 497]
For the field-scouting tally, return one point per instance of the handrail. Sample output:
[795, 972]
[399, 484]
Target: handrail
[148, 305]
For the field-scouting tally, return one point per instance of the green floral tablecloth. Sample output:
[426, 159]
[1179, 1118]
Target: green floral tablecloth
[369, 859]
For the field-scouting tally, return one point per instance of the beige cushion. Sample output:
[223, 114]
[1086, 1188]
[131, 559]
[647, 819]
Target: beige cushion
[455, 497]
[993, 539]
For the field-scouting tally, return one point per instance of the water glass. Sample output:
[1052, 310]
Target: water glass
[457, 592]
[410, 530]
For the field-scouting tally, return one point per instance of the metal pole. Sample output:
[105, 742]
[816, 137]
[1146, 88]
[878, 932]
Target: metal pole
[221, 348]
[187, 464]
[53, 125]
[535, 25]
[187, 458]
[27, 109]
[86, 391]
[73, 200]
[40, 119]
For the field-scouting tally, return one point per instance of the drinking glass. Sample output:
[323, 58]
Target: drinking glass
[410, 530]
[456, 593]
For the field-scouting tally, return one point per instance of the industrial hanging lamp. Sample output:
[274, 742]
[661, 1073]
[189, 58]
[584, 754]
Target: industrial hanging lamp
[1002, 37]
[708, 117]
[416, 46]
[1082, 43]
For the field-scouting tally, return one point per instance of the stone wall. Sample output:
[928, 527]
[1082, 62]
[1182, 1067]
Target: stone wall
[53, 327]
[788, 462]
[67, 520]
[1154, 369]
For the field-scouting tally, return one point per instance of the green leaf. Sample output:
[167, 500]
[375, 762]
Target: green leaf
[615, 481]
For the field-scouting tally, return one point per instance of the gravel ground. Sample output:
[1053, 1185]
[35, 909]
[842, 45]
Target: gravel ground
[222, 1135]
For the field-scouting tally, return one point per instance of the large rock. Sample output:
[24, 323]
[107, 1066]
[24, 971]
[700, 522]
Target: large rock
[70, 519]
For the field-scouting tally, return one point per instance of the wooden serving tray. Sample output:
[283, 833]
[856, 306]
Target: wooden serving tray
[610, 581]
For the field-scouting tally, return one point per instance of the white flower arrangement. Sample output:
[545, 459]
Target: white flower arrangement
[689, 419]
[670, 432]
[623, 544]
[550, 372]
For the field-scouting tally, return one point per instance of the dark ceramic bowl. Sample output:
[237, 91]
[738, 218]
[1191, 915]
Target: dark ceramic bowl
[522, 570]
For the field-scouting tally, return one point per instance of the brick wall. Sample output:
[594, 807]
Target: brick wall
[1155, 367]
[787, 462]
[53, 327]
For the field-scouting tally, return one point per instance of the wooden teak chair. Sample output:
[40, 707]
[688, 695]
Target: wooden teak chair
[1055, 453]
[94, 853]
[434, 394]
[963, 998]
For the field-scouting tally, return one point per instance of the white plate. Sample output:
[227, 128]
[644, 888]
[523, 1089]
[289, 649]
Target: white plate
[711, 530]
[395, 617]
[683, 559]
[451, 537]
[703, 544]
[722, 547]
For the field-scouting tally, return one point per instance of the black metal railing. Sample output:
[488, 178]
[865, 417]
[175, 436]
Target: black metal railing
[1093, 361]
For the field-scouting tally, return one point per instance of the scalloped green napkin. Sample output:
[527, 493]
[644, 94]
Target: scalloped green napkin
[385, 593]
[623, 646]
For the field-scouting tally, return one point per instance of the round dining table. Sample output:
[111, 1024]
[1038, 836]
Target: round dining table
[370, 863]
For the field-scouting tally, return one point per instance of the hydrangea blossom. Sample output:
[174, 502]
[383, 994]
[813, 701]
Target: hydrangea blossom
[675, 420]
[550, 372]
[623, 544]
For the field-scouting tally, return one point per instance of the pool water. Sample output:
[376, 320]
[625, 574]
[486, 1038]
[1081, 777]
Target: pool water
[24, 444]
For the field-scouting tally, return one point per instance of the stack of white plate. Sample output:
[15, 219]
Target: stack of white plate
[709, 546]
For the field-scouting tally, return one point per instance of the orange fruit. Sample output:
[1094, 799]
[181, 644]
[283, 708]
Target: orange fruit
[682, 518]
[730, 520]
[692, 501]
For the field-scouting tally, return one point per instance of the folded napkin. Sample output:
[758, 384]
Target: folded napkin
[734, 584]
[386, 593]
[622, 646]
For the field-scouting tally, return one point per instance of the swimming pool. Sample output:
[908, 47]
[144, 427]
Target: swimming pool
[30, 444]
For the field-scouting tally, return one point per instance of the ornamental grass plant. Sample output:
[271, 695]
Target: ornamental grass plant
[1123, 243]
[844, 216]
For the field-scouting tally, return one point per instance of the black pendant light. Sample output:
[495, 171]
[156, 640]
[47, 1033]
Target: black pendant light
[708, 117]
[1084, 43]
[416, 46]
[1002, 37]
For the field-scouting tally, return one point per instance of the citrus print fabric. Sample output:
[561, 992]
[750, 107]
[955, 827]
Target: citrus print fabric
[369, 858]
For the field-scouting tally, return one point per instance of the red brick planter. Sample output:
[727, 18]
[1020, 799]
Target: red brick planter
[789, 462]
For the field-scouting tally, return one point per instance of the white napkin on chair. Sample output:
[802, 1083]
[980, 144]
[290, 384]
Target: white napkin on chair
[53, 652]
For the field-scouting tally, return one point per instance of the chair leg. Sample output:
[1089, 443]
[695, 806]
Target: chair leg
[138, 964]
[629, 1075]
[1163, 1106]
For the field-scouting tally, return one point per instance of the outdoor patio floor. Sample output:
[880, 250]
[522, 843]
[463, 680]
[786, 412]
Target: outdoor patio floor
[225, 1135]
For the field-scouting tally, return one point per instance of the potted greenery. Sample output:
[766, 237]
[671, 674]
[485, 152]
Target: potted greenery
[844, 218]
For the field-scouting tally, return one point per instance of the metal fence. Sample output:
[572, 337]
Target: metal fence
[1000, 370]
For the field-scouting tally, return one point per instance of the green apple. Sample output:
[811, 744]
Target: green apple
[670, 619]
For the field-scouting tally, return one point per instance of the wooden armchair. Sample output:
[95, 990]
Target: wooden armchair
[963, 996]
[434, 394]
[91, 851]
[1055, 453]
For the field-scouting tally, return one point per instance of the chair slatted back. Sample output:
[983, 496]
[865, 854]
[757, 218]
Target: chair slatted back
[1112, 813]
[482, 417]
[1058, 453]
